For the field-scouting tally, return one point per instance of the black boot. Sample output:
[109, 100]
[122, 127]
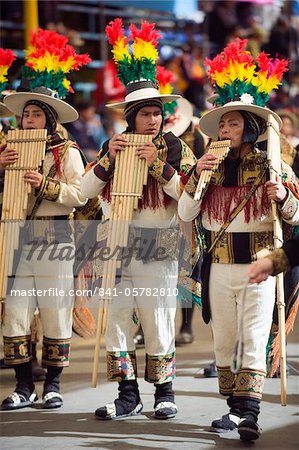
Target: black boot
[39, 374]
[23, 394]
[229, 421]
[127, 404]
[185, 335]
[51, 395]
[249, 429]
[164, 407]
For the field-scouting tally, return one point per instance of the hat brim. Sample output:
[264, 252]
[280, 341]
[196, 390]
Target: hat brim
[4, 111]
[183, 118]
[16, 102]
[209, 122]
[139, 95]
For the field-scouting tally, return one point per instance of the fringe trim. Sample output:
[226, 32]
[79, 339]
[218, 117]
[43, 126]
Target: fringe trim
[150, 198]
[275, 350]
[219, 201]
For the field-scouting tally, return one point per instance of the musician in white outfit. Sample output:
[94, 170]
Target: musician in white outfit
[243, 174]
[44, 272]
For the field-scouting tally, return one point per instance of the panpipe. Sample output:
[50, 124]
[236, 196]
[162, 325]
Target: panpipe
[31, 146]
[130, 176]
[219, 149]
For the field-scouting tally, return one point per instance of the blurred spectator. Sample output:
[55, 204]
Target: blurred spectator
[219, 24]
[113, 122]
[283, 40]
[250, 28]
[88, 130]
[193, 71]
[289, 141]
[280, 99]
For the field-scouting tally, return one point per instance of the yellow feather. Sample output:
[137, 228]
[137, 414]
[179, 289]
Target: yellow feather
[166, 89]
[3, 73]
[144, 49]
[120, 50]
[66, 83]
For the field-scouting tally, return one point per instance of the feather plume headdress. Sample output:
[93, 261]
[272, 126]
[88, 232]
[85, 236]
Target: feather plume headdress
[135, 56]
[48, 61]
[7, 57]
[241, 83]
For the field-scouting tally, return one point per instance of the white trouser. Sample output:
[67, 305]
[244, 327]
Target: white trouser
[226, 292]
[48, 277]
[155, 311]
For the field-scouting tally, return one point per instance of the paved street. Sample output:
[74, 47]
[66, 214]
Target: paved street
[73, 426]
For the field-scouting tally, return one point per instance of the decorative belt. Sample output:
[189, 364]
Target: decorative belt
[151, 244]
[47, 230]
[240, 248]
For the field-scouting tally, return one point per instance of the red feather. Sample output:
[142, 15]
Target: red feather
[7, 57]
[146, 32]
[114, 30]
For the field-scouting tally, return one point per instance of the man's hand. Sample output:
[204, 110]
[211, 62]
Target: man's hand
[276, 190]
[260, 270]
[147, 151]
[206, 162]
[34, 178]
[117, 143]
[7, 157]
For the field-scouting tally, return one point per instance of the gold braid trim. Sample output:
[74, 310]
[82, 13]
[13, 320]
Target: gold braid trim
[156, 170]
[191, 185]
[51, 190]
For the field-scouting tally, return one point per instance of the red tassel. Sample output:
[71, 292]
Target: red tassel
[220, 201]
[56, 155]
[150, 198]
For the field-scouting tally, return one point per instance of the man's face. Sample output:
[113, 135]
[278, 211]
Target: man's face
[287, 127]
[231, 126]
[33, 118]
[148, 120]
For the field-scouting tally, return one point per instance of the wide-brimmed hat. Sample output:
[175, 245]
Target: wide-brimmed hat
[135, 55]
[4, 111]
[208, 123]
[179, 121]
[241, 84]
[286, 113]
[17, 101]
[142, 90]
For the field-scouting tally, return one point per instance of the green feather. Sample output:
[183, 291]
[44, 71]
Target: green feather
[47, 79]
[135, 69]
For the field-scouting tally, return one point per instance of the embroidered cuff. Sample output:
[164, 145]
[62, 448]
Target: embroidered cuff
[191, 185]
[280, 261]
[121, 366]
[250, 383]
[50, 189]
[289, 207]
[162, 171]
[17, 350]
[55, 352]
[160, 369]
[104, 168]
